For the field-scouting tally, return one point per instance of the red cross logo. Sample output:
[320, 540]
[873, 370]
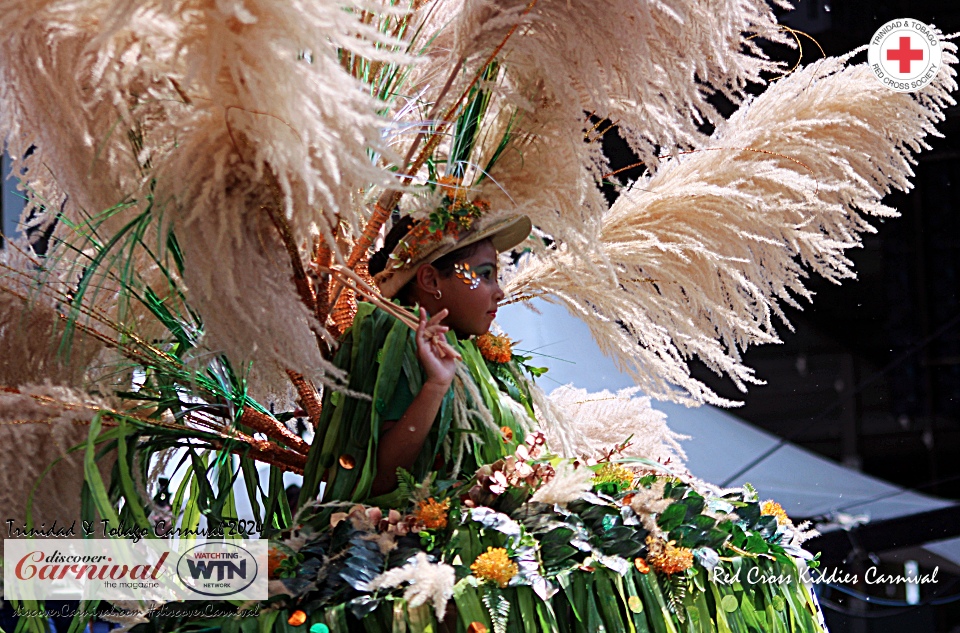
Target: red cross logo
[905, 54]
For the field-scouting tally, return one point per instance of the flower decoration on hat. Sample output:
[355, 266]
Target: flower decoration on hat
[454, 218]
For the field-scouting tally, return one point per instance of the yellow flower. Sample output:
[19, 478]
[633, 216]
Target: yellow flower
[667, 557]
[433, 515]
[495, 565]
[772, 508]
[497, 349]
[615, 474]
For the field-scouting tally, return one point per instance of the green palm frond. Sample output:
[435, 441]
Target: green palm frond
[181, 397]
[469, 123]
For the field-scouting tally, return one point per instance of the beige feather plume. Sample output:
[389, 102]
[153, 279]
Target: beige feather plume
[648, 66]
[696, 259]
[600, 422]
[214, 113]
[238, 119]
[31, 329]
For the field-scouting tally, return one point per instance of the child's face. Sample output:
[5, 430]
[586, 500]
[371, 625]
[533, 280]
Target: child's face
[472, 294]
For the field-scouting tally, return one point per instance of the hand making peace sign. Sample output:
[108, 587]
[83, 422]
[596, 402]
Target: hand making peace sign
[435, 354]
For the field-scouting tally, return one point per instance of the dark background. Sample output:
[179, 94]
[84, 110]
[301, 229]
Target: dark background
[871, 377]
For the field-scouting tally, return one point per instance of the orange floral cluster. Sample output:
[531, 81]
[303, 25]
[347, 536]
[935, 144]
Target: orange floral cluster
[772, 508]
[474, 208]
[455, 196]
[496, 349]
[275, 556]
[452, 187]
[432, 514]
[495, 565]
[667, 557]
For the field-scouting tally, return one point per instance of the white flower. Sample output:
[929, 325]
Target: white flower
[795, 537]
[566, 486]
[428, 581]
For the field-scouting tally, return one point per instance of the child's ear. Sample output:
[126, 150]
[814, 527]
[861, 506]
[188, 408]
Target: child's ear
[428, 279]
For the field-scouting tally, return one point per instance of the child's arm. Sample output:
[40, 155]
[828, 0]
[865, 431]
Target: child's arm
[402, 440]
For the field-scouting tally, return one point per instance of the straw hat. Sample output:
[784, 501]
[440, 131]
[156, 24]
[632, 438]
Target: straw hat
[421, 246]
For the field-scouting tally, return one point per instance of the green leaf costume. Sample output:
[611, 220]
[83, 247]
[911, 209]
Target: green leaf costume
[379, 354]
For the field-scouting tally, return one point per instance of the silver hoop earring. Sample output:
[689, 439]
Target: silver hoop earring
[438, 295]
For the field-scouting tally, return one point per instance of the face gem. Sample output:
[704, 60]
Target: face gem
[467, 275]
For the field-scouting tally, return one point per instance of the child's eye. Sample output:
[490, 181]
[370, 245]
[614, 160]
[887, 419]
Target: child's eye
[486, 271]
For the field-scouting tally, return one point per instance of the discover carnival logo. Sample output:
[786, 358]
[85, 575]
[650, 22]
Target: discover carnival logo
[905, 54]
[58, 566]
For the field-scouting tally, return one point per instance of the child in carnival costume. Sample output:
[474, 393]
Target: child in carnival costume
[442, 505]
[414, 421]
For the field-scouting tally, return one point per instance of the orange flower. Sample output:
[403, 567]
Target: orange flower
[274, 557]
[772, 508]
[495, 565]
[495, 348]
[453, 188]
[667, 557]
[433, 515]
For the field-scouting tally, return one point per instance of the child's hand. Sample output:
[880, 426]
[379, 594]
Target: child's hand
[433, 351]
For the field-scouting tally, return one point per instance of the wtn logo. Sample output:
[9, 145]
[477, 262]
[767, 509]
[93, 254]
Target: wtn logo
[223, 568]
[220, 568]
